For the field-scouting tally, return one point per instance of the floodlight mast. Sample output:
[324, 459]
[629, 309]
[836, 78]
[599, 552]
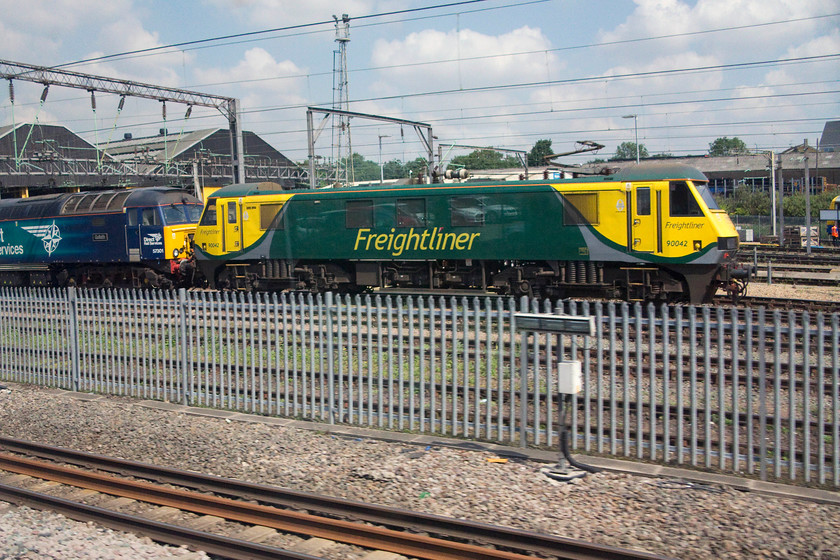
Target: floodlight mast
[228, 106]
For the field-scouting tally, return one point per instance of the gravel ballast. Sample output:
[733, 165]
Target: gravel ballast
[657, 515]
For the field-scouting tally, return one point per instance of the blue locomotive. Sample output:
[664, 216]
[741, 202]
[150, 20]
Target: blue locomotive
[131, 238]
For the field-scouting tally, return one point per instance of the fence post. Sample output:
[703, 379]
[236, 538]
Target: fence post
[762, 395]
[523, 378]
[184, 341]
[328, 302]
[73, 327]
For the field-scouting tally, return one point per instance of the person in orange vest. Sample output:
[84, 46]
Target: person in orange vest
[834, 232]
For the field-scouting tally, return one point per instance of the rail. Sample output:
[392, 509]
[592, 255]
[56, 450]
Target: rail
[372, 526]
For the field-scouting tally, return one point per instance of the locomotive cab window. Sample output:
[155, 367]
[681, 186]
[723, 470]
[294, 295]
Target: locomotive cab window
[231, 213]
[181, 214]
[209, 216]
[358, 214]
[706, 195]
[466, 211]
[643, 201]
[682, 201]
[411, 212]
[150, 217]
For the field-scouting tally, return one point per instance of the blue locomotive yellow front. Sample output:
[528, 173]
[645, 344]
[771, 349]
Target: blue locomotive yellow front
[130, 237]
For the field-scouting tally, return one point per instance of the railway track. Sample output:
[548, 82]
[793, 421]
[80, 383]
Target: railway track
[412, 534]
[788, 304]
[789, 254]
[785, 265]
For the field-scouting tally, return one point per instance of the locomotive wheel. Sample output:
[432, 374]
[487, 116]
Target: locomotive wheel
[523, 288]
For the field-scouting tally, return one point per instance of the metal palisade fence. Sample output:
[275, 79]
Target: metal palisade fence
[736, 390]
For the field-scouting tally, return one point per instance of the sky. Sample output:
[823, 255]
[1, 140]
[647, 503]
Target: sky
[501, 73]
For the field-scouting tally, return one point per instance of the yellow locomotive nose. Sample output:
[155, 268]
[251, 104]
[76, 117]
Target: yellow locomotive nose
[179, 241]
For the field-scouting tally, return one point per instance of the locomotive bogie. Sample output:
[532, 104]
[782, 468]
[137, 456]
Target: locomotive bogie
[647, 233]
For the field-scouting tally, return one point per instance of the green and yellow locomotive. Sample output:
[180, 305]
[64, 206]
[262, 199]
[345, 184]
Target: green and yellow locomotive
[645, 233]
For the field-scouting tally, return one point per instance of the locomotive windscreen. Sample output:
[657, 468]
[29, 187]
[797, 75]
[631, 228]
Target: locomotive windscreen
[706, 195]
[181, 214]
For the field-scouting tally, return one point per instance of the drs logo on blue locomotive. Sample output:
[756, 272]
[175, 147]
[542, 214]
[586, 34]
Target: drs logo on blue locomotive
[9, 249]
[50, 235]
[154, 241]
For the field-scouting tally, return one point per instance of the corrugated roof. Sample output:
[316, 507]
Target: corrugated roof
[831, 135]
[161, 147]
[4, 130]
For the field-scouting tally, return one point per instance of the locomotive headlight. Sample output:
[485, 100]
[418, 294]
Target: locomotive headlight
[727, 243]
[175, 253]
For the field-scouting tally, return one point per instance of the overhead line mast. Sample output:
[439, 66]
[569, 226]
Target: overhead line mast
[342, 146]
[228, 106]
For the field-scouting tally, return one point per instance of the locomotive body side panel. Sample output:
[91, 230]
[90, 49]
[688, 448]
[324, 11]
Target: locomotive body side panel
[75, 239]
[655, 233]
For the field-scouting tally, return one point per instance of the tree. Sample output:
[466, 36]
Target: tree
[485, 159]
[536, 157]
[728, 147]
[394, 169]
[746, 202]
[627, 150]
[414, 168]
[363, 169]
[794, 204]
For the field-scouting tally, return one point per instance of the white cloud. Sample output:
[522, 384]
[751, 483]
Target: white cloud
[259, 82]
[257, 70]
[36, 34]
[472, 60]
[653, 18]
[476, 59]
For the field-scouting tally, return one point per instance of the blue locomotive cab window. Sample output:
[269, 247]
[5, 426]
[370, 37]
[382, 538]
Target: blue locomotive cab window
[358, 214]
[149, 217]
[411, 212]
[643, 201]
[209, 216]
[466, 211]
[682, 201]
[181, 214]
